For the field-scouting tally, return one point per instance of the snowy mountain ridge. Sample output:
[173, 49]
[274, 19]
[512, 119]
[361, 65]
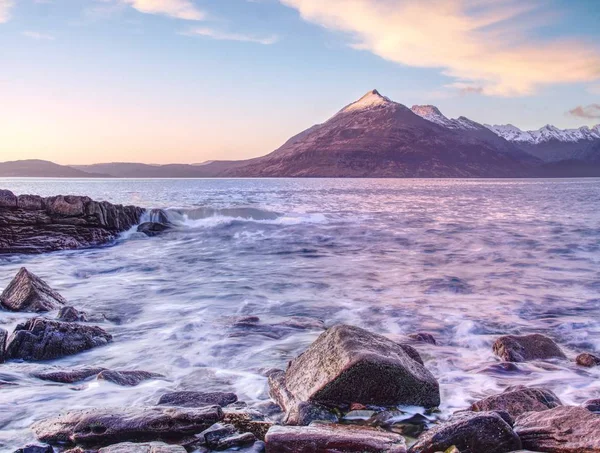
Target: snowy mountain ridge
[545, 134]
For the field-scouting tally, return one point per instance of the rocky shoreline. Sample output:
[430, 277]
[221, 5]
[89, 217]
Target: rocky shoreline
[351, 391]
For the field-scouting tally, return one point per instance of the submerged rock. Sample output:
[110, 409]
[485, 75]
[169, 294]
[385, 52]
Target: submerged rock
[332, 439]
[423, 337]
[523, 348]
[197, 399]
[68, 376]
[470, 432]
[150, 447]
[105, 426]
[3, 337]
[71, 314]
[587, 360]
[348, 365]
[35, 449]
[153, 228]
[43, 339]
[128, 378]
[518, 400]
[28, 292]
[564, 429]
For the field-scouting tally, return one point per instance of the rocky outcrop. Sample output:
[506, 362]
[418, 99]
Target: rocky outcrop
[68, 376]
[564, 429]
[518, 400]
[332, 439]
[197, 399]
[470, 432]
[128, 378]
[27, 292]
[101, 427]
[150, 447]
[43, 339]
[587, 360]
[523, 348]
[348, 365]
[32, 224]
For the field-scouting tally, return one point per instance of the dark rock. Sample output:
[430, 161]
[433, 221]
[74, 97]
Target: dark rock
[587, 360]
[412, 353]
[564, 429]
[324, 438]
[105, 426]
[423, 337]
[246, 321]
[470, 432]
[197, 399]
[150, 447]
[159, 216]
[28, 292]
[303, 323]
[215, 433]
[3, 337]
[71, 314]
[518, 400]
[592, 405]
[522, 348]
[42, 339]
[31, 224]
[68, 376]
[247, 422]
[348, 365]
[152, 229]
[236, 441]
[128, 378]
[35, 449]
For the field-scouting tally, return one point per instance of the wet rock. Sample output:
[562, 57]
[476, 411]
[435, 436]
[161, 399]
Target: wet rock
[31, 224]
[564, 429]
[303, 323]
[237, 441]
[592, 405]
[43, 339]
[68, 376]
[35, 449]
[223, 437]
[423, 337]
[150, 447]
[3, 337]
[470, 432]
[71, 314]
[587, 360]
[152, 228]
[197, 399]
[105, 426]
[518, 400]
[348, 365]
[27, 292]
[247, 422]
[251, 325]
[522, 348]
[128, 378]
[332, 439]
[246, 321]
[412, 353]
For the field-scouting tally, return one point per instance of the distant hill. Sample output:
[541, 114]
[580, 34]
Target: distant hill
[43, 169]
[136, 170]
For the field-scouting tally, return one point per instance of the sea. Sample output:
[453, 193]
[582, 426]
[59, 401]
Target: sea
[466, 260]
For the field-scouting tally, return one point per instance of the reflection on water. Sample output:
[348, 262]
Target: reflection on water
[464, 260]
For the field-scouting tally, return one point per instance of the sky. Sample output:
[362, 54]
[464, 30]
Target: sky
[186, 81]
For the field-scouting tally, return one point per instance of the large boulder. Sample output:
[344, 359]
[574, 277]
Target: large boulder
[470, 432]
[523, 348]
[27, 292]
[105, 426]
[150, 447]
[197, 399]
[43, 339]
[518, 400]
[564, 429]
[325, 438]
[348, 365]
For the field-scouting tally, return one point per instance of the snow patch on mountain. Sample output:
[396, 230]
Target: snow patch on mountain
[373, 99]
[433, 114]
[545, 134]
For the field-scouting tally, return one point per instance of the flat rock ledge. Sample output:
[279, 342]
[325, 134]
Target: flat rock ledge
[150, 447]
[32, 224]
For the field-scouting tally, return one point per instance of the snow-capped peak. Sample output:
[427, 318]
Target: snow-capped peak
[372, 99]
[545, 134]
[433, 114]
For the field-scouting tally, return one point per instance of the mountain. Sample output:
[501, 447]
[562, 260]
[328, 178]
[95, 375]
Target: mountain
[136, 170]
[43, 169]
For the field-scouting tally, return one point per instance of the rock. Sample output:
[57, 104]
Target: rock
[518, 400]
[28, 292]
[105, 426]
[128, 378]
[592, 405]
[152, 228]
[35, 449]
[235, 442]
[522, 348]
[564, 429]
[68, 376]
[42, 339]
[32, 224]
[3, 337]
[197, 399]
[246, 422]
[348, 365]
[587, 360]
[470, 432]
[423, 337]
[303, 323]
[71, 314]
[332, 439]
[150, 447]
[223, 437]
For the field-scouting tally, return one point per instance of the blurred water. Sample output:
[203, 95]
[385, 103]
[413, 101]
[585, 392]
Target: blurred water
[466, 260]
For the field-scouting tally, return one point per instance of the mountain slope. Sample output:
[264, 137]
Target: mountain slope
[35, 168]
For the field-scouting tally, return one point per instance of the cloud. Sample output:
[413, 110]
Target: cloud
[179, 9]
[5, 7]
[480, 43]
[38, 36]
[591, 111]
[222, 36]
